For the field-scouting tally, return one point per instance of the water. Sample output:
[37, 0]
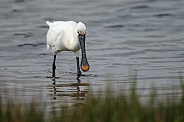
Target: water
[123, 37]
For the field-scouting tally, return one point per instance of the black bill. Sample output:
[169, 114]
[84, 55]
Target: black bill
[84, 61]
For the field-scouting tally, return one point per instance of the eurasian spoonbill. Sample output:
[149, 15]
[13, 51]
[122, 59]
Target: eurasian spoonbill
[67, 36]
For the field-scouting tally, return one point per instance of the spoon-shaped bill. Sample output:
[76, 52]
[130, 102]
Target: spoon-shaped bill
[84, 62]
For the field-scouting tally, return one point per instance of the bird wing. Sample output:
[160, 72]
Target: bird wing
[57, 34]
[55, 31]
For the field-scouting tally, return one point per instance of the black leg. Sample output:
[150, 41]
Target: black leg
[54, 67]
[78, 68]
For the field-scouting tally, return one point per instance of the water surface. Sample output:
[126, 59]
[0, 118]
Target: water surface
[123, 37]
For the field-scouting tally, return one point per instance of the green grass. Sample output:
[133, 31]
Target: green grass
[110, 108]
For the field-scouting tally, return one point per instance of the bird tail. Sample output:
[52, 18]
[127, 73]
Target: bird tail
[48, 23]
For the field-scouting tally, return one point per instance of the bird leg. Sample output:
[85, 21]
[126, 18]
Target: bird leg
[78, 68]
[54, 67]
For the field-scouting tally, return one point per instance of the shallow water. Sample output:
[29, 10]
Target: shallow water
[123, 37]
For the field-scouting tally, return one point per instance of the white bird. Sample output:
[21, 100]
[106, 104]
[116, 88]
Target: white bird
[67, 36]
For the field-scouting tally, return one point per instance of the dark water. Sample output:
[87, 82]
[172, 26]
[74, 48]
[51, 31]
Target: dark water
[123, 37]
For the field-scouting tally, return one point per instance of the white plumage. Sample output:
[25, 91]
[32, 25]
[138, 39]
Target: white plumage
[67, 36]
[63, 36]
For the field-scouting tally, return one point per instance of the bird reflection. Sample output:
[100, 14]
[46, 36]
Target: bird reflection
[72, 90]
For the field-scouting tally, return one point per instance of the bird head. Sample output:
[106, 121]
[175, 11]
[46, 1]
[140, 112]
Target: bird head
[81, 28]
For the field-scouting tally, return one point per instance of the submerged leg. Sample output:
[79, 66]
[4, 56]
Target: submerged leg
[54, 67]
[78, 68]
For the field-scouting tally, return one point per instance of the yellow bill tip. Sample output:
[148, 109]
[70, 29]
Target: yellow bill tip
[85, 68]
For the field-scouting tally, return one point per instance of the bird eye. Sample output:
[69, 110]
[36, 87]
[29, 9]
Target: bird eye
[79, 32]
